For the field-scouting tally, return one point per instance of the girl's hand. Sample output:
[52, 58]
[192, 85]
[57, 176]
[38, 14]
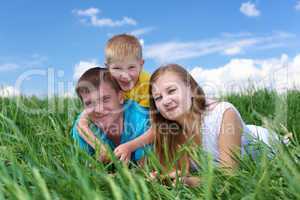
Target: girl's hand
[153, 175]
[172, 174]
[123, 152]
[190, 181]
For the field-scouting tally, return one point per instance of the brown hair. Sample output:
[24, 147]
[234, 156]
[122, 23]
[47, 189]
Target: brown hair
[168, 141]
[91, 80]
[122, 46]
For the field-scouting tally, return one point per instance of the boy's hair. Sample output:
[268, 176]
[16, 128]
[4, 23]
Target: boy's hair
[92, 79]
[122, 46]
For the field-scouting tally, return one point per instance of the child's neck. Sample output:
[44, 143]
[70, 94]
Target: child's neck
[114, 131]
[190, 124]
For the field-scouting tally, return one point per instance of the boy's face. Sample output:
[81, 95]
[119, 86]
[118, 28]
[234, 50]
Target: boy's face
[126, 72]
[104, 106]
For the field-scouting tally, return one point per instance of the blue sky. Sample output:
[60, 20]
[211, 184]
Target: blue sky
[201, 35]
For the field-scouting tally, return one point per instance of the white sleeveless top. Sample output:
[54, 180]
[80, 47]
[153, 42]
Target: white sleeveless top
[211, 127]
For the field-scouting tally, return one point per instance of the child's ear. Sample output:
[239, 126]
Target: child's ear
[121, 97]
[142, 62]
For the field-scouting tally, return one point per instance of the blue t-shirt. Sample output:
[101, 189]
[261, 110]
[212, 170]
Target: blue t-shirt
[136, 122]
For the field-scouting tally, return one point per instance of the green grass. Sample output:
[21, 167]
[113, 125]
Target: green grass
[38, 159]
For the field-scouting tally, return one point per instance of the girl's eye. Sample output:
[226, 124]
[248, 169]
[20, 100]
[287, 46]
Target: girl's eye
[132, 67]
[171, 91]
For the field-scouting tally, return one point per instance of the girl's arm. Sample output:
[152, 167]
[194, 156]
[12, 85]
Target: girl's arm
[124, 151]
[229, 138]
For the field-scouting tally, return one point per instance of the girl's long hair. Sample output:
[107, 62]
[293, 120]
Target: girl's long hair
[169, 135]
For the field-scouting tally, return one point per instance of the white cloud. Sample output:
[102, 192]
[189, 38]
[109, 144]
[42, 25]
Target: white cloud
[109, 22]
[297, 6]
[9, 91]
[142, 41]
[232, 50]
[235, 35]
[249, 9]
[141, 31]
[284, 34]
[239, 74]
[32, 61]
[88, 12]
[82, 66]
[228, 44]
[236, 47]
[174, 50]
[90, 16]
[8, 67]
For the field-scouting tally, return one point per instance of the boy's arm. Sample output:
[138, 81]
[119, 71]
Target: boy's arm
[89, 137]
[146, 138]
[85, 132]
[124, 151]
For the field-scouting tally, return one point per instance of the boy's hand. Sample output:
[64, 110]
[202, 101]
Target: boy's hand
[103, 156]
[123, 152]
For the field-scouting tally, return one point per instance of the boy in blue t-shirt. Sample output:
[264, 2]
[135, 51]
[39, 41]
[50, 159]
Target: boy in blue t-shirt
[112, 120]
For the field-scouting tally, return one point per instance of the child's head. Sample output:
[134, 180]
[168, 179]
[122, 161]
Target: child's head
[123, 57]
[176, 104]
[101, 95]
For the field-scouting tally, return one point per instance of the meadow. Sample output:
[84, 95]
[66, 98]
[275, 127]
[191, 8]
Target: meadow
[39, 160]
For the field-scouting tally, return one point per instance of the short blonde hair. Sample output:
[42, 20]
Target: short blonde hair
[122, 46]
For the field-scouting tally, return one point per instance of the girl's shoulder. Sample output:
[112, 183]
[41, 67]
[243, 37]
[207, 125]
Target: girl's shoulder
[216, 108]
[213, 115]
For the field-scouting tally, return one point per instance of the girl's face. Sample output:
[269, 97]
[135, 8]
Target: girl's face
[172, 97]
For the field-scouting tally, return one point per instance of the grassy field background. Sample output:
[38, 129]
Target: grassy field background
[38, 159]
